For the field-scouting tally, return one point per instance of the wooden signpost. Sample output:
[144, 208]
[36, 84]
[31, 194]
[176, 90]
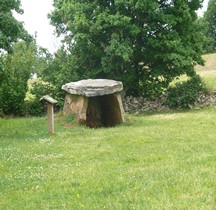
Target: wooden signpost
[50, 112]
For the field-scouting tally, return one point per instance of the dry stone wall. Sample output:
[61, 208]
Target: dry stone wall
[139, 105]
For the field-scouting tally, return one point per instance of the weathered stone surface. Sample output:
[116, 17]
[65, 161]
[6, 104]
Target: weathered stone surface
[97, 103]
[93, 87]
[76, 105]
[97, 111]
[140, 105]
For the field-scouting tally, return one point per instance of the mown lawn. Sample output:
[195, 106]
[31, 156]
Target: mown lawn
[154, 161]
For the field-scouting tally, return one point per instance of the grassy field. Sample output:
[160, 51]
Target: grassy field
[208, 72]
[153, 161]
[210, 63]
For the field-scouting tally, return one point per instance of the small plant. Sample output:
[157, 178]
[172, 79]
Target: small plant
[184, 94]
[69, 118]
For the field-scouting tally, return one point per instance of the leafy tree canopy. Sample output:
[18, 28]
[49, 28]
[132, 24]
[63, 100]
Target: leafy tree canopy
[10, 29]
[145, 44]
[210, 27]
[16, 69]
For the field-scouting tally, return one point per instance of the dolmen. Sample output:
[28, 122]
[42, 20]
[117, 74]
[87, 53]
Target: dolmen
[95, 102]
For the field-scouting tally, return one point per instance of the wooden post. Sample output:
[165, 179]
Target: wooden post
[50, 112]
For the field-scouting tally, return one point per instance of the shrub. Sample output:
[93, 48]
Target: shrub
[12, 94]
[184, 94]
[33, 104]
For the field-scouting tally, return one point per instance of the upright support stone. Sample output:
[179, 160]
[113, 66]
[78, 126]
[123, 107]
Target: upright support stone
[95, 102]
[77, 105]
[112, 109]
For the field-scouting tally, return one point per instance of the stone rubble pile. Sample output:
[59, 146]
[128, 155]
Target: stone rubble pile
[137, 105]
[205, 99]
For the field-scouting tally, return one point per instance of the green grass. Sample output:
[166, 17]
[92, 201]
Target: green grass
[207, 72]
[154, 161]
[209, 78]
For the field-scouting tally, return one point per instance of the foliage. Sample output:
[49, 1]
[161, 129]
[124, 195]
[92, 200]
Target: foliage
[56, 73]
[146, 44]
[16, 69]
[34, 106]
[10, 29]
[210, 27]
[208, 42]
[160, 161]
[60, 70]
[37, 90]
[184, 94]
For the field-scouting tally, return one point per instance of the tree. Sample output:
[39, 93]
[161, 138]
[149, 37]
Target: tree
[10, 29]
[146, 44]
[210, 27]
[15, 71]
[58, 69]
